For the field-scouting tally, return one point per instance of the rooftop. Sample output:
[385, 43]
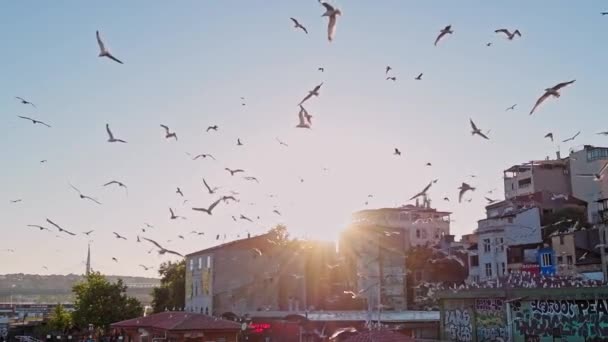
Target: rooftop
[178, 321]
[528, 165]
[240, 243]
[538, 197]
[405, 208]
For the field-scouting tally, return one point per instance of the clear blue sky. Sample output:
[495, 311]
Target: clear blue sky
[188, 64]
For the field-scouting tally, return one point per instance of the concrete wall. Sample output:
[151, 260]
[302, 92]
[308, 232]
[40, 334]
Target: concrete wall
[586, 188]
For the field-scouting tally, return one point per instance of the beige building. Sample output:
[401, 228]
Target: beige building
[544, 175]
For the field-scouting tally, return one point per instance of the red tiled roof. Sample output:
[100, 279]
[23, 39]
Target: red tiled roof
[174, 321]
[382, 335]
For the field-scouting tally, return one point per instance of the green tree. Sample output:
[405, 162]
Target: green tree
[101, 303]
[60, 320]
[172, 290]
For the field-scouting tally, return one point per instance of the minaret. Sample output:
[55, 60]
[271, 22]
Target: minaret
[89, 260]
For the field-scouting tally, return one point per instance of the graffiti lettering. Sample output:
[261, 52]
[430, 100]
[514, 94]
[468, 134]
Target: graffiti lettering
[489, 304]
[458, 325]
[490, 319]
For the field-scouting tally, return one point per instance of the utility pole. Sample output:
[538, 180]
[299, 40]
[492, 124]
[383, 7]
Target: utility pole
[602, 231]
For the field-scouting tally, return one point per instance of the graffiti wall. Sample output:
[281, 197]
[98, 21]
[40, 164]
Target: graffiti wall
[572, 320]
[458, 323]
[490, 319]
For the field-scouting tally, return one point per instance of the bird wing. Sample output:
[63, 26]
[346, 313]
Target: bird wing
[207, 185]
[75, 188]
[172, 213]
[20, 98]
[44, 123]
[443, 33]
[331, 27]
[505, 31]
[102, 47]
[539, 101]
[483, 135]
[110, 183]
[462, 191]
[585, 175]
[173, 252]
[214, 204]
[328, 7]
[237, 171]
[109, 131]
[563, 84]
[153, 242]
[602, 169]
[473, 126]
[92, 199]
[548, 135]
[110, 56]
[26, 118]
[305, 98]
[166, 128]
[295, 22]
[517, 33]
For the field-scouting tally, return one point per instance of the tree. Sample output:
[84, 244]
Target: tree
[101, 303]
[172, 290]
[60, 320]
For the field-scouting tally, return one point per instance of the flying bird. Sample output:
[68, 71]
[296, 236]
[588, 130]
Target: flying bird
[603, 133]
[34, 121]
[209, 189]
[511, 108]
[490, 201]
[277, 212]
[549, 135]
[103, 51]
[212, 128]
[446, 199]
[61, 230]
[332, 13]
[243, 217]
[179, 192]
[397, 152]
[204, 156]
[257, 251]
[24, 101]
[281, 142]
[118, 236]
[238, 142]
[111, 136]
[464, 188]
[169, 134]
[392, 78]
[554, 91]
[510, 35]
[419, 77]
[388, 68]
[314, 92]
[253, 179]
[572, 137]
[84, 196]
[114, 259]
[173, 216]
[446, 30]
[477, 131]
[304, 118]
[489, 44]
[298, 25]
[88, 233]
[162, 250]
[16, 200]
[604, 13]
[423, 192]
[321, 69]
[120, 184]
[41, 228]
[232, 172]
[146, 268]
[596, 176]
[210, 208]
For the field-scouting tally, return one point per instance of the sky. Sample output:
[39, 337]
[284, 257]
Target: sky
[188, 64]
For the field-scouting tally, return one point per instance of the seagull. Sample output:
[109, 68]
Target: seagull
[226, 198]
[41, 228]
[489, 44]
[173, 216]
[298, 25]
[550, 92]
[603, 133]
[212, 128]
[253, 179]
[510, 35]
[238, 142]
[423, 192]
[232, 172]
[181, 237]
[601, 245]
[120, 184]
[464, 188]
[388, 68]
[162, 250]
[114, 259]
[84, 196]
[111, 136]
[61, 230]
[204, 156]
[179, 191]
[477, 131]
[16, 201]
[596, 176]
[103, 51]
[490, 201]
[573, 137]
[446, 199]
[277, 212]
[304, 118]
[549, 135]
[243, 217]
[210, 208]
[559, 196]
[24, 101]
[88, 233]
[511, 108]
[419, 77]
[392, 78]
[34, 121]
[332, 13]
[145, 267]
[281, 142]
[43, 161]
[446, 30]
[257, 251]
[397, 152]
[118, 236]
[583, 257]
[321, 69]
[167, 133]
[429, 164]
[314, 92]
[209, 189]
[604, 13]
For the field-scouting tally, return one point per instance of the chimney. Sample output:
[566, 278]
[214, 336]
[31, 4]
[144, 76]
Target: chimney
[417, 202]
[558, 155]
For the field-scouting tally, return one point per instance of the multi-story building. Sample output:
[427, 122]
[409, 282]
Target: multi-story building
[575, 253]
[265, 272]
[374, 247]
[496, 234]
[589, 160]
[548, 175]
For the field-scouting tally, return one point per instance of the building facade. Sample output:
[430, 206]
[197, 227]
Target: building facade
[535, 176]
[589, 160]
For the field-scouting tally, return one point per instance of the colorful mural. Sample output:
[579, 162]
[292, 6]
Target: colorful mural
[573, 320]
[490, 319]
[458, 325]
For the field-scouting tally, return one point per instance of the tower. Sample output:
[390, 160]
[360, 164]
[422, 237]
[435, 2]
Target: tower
[89, 260]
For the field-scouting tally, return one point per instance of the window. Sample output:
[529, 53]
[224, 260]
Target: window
[502, 268]
[474, 260]
[569, 259]
[475, 278]
[486, 246]
[546, 260]
[191, 264]
[561, 239]
[560, 260]
[208, 261]
[488, 270]
[500, 245]
[417, 233]
[524, 183]
[597, 153]
[200, 263]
